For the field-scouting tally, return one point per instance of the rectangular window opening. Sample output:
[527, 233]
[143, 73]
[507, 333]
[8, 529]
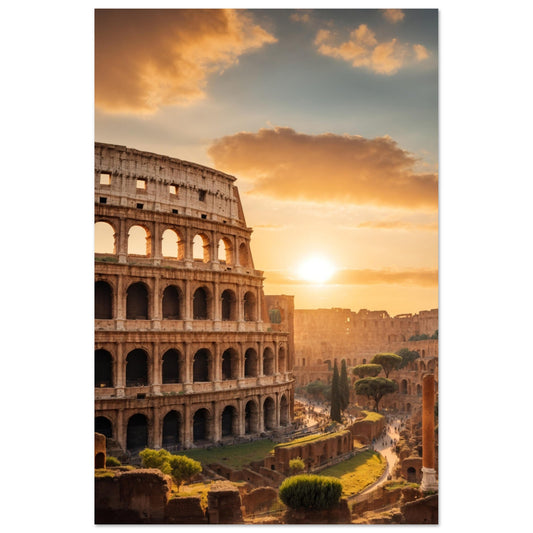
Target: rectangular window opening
[140, 206]
[103, 200]
[173, 189]
[105, 178]
[204, 216]
[141, 184]
[175, 211]
[201, 195]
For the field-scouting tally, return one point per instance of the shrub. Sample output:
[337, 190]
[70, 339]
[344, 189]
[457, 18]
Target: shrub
[156, 459]
[112, 461]
[183, 468]
[296, 466]
[310, 492]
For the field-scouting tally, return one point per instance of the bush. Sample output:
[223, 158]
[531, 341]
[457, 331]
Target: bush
[310, 492]
[296, 466]
[183, 468]
[156, 459]
[112, 461]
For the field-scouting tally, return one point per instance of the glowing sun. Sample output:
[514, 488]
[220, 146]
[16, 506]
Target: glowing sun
[316, 270]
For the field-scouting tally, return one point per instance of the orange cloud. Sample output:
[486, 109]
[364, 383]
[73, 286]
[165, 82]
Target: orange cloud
[414, 277]
[147, 58]
[362, 49]
[300, 17]
[393, 15]
[397, 225]
[326, 168]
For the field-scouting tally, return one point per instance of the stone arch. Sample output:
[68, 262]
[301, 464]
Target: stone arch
[172, 245]
[139, 241]
[268, 361]
[103, 300]
[103, 368]
[284, 417]
[137, 302]
[228, 303]
[230, 366]
[104, 426]
[202, 429]
[172, 303]
[269, 413]
[200, 304]
[421, 365]
[250, 363]
[431, 366]
[419, 390]
[200, 248]
[137, 433]
[229, 421]
[403, 386]
[244, 255]
[172, 429]
[411, 475]
[104, 238]
[137, 368]
[225, 251]
[170, 367]
[201, 370]
[251, 418]
[282, 360]
[250, 307]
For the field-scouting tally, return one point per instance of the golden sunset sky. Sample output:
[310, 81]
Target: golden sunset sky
[328, 119]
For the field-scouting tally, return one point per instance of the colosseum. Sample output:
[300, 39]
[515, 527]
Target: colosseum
[188, 350]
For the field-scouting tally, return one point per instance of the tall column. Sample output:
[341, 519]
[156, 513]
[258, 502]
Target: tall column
[157, 244]
[120, 429]
[187, 382]
[121, 370]
[429, 477]
[120, 312]
[187, 426]
[188, 306]
[156, 305]
[157, 436]
[216, 421]
[123, 242]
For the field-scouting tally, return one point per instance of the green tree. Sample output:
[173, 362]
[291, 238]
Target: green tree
[407, 356]
[435, 335]
[344, 387]
[318, 389]
[368, 370]
[335, 412]
[156, 459]
[388, 361]
[296, 466]
[182, 468]
[375, 388]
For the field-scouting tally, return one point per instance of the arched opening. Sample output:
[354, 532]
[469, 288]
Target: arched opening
[103, 425]
[137, 433]
[229, 364]
[228, 305]
[170, 371]
[249, 306]
[419, 390]
[200, 248]
[172, 301]
[251, 418]
[200, 369]
[137, 302]
[421, 365]
[282, 360]
[103, 369]
[171, 430]
[284, 411]
[411, 475]
[269, 414]
[408, 407]
[139, 241]
[99, 460]
[225, 251]
[244, 259]
[229, 421]
[250, 363]
[403, 386]
[200, 304]
[201, 427]
[136, 368]
[268, 362]
[103, 300]
[172, 245]
[423, 353]
[104, 238]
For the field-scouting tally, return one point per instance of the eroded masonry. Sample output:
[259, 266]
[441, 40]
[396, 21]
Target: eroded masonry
[189, 351]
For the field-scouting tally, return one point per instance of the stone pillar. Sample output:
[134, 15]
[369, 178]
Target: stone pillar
[216, 421]
[429, 477]
[188, 306]
[120, 434]
[157, 244]
[187, 426]
[120, 382]
[156, 305]
[123, 242]
[187, 381]
[157, 436]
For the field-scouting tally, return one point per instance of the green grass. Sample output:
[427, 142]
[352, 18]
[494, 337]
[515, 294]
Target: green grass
[393, 485]
[102, 472]
[236, 456]
[199, 490]
[358, 472]
[371, 416]
[307, 439]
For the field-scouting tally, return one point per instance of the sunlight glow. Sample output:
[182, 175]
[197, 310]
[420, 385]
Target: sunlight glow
[316, 270]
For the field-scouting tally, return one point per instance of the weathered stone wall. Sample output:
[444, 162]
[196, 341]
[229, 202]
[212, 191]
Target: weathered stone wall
[339, 514]
[99, 450]
[382, 497]
[147, 308]
[367, 430]
[224, 504]
[259, 500]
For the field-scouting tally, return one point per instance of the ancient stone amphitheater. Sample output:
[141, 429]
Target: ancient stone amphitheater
[185, 352]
